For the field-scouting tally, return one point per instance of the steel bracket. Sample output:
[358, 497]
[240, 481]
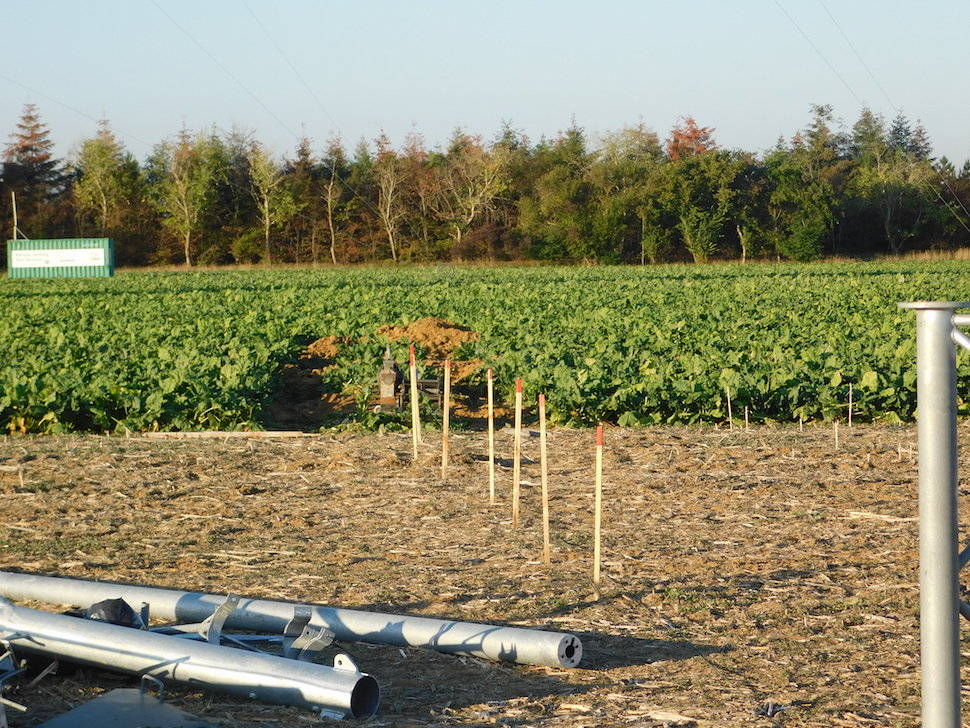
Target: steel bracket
[209, 629]
[343, 661]
[300, 640]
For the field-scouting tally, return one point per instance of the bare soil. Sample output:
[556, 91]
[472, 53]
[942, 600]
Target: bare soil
[741, 569]
[302, 402]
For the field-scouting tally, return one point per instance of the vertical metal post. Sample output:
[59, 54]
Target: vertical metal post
[938, 548]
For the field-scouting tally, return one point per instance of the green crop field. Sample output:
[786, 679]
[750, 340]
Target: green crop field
[203, 350]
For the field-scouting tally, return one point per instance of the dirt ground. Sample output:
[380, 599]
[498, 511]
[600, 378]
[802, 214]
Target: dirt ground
[744, 572]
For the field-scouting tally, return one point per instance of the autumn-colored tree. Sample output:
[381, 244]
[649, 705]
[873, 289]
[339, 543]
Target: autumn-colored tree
[687, 139]
[471, 179]
[423, 172]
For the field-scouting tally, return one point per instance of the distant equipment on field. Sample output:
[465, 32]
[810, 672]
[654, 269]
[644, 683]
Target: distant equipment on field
[61, 258]
[393, 386]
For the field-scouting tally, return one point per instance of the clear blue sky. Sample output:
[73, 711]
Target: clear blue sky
[740, 66]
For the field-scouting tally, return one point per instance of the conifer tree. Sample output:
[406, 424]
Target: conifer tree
[31, 170]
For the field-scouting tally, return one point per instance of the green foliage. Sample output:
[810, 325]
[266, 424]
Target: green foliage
[248, 247]
[830, 189]
[628, 345]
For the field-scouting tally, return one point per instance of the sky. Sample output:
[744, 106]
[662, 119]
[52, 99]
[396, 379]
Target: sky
[281, 68]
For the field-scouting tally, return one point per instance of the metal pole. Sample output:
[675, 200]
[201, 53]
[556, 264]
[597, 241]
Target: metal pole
[493, 642]
[938, 561]
[335, 691]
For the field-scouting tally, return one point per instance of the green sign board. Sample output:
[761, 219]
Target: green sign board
[61, 258]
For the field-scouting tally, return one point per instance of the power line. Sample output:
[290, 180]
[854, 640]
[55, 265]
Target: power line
[857, 98]
[857, 55]
[225, 70]
[309, 90]
[820, 54]
[896, 109]
[293, 68]
[71, 108]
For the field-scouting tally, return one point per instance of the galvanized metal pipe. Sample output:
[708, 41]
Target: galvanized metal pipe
[939, 550]
[333, 692]
[512, 644]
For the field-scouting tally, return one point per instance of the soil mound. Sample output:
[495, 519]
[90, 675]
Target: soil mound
[324, 348]
[439, 337]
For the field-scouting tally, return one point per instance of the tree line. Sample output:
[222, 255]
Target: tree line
[213, 197]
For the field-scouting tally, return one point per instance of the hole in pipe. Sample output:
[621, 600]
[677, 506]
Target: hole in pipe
[365, 697]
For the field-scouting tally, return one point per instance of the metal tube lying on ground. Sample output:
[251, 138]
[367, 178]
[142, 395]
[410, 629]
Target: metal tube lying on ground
[331, 691]
[512, 644]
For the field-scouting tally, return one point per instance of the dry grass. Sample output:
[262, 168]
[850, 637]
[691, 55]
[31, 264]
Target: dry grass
[739, 567]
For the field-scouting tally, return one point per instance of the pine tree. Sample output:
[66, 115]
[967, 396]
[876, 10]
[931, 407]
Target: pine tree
[919, 143]
[30, 166]
[301, 175]
[900, 133]
[868, 136]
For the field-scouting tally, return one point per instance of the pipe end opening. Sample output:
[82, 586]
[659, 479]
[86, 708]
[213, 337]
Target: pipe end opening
[570, 651]
[365, 698]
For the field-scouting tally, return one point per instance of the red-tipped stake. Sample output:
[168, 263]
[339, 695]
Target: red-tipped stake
[517, 454]
[445, 413]
[491, 439]
[544, 469]
[415, 414]
[597, 511]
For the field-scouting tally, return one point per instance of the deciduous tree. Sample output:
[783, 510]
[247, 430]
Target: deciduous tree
[273, 198]
[186, 171]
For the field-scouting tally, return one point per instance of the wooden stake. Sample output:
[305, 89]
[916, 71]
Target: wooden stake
[415, 414]
[850, 404]
[544, 469]
[517, 454]
[445, 416]
[491, 439]
[13, 202]
[745, 418]
[801, 423]
[727, 393]
[835, 433]
[597, 511]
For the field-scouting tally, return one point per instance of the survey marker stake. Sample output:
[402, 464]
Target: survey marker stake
[597, 511]
[491, 438]
[445, 412]
[517, 453]
[415, 413]
[544, 469]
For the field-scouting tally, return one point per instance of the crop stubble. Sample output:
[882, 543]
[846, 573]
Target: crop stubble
[739, 567]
